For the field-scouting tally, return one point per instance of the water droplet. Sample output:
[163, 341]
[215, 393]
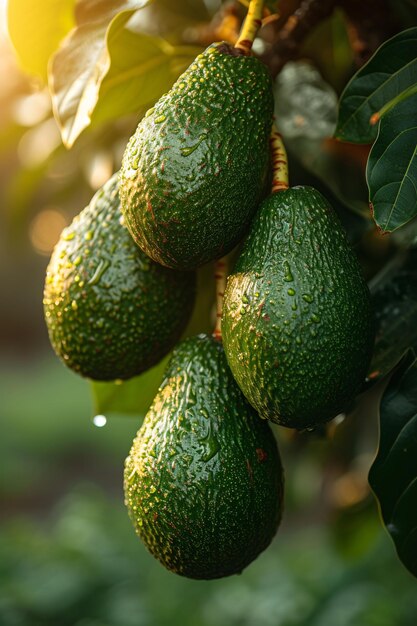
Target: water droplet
[245, 299]
[100, 421]
[288, 277]
[101, 268]
[68, 236]
[307, 297]
[315, 318]
[291, 292]
[190, 149]
[149, 112]
[74, 305]
[160, 119]
[88, 235]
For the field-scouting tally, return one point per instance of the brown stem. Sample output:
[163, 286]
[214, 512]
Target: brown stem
[220, 274]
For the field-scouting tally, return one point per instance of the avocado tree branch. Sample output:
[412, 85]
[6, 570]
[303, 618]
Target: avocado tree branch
[297, 27]
[251, 26]
[220, 274]
[279, 161]
[368, 29]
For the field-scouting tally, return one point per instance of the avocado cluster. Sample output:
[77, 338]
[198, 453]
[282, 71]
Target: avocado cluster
[203, 481]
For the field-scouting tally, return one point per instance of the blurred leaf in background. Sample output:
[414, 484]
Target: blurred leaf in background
[36, 29]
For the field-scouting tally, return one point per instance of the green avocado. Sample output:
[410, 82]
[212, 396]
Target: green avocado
[195, 170]
[297, 323]
[111, 312]
[203, 480]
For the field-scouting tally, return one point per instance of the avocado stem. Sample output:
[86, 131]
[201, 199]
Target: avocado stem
[250, 26]
[279, 161]
[220, 275]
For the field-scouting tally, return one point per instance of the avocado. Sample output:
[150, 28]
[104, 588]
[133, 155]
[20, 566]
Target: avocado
[195, 170]
[297, 322]
[111, 312]
[203, 480]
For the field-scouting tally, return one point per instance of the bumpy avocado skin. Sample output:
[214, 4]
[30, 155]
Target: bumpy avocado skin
[111, 312]
[194, 172]
[297, 323]
[203, 480]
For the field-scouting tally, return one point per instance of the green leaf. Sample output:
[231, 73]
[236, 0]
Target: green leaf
[131, 397]
[76, 72]
[392, 167]
[393, 475]
[391, 70]
[394, 296]
[122, 72]
[136, 80]
[103, 10]
[36, 29]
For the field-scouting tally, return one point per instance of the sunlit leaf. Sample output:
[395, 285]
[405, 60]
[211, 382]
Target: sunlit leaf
[136, 80]
[392, 167]
[76, 72]
[87, 11]
[36, 29]
[390, 71]
[393, 475]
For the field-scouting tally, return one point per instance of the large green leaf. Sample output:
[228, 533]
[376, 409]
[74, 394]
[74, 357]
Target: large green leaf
[392, 167]
[36, 28]
[136, 80]
[390, 71]
[122, 71]
[77, 70]
[393, 475]
[394, 296]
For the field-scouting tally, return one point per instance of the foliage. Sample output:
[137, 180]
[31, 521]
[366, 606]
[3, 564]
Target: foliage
[106, 63]
[393, 474]
[395, 305]
[384, 88]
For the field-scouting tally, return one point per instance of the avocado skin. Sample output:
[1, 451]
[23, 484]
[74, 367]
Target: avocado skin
[297, 325]
[111, 312]
[203, 481]
[194, 172]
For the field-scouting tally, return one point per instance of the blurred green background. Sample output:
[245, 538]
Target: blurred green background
[68, 553]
